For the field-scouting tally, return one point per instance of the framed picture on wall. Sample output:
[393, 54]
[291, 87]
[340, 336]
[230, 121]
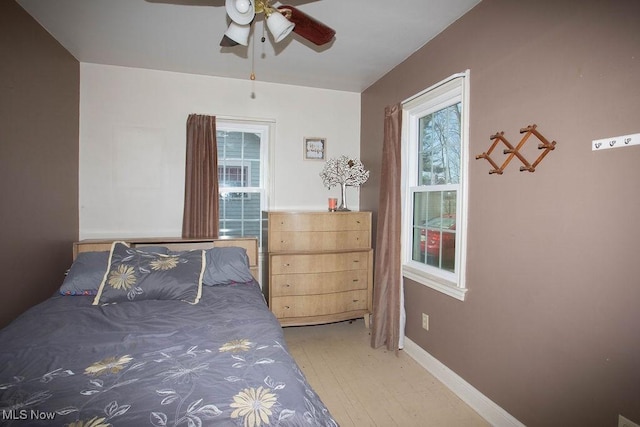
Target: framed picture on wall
[315, 148]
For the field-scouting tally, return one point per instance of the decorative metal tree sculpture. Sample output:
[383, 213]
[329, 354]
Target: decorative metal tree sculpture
[345, 172]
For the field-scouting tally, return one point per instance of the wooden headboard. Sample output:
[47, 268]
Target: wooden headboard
[176, 244]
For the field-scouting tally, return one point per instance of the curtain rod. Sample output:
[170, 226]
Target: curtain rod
[244, 119]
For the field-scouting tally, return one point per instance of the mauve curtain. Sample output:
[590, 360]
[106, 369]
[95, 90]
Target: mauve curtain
[388, 303]
[201, 211]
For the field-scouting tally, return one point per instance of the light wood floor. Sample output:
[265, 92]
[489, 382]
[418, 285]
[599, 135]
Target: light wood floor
[366, 387]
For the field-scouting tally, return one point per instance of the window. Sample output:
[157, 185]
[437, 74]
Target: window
[243, 149]
[435, 162]
[231, 175]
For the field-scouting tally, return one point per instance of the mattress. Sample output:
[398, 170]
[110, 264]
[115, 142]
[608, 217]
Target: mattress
[220, 362]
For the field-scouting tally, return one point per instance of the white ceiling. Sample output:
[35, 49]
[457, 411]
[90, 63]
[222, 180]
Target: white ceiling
[372, 37]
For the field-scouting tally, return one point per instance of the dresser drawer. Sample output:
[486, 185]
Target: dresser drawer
[315, 241]
[318, 305]
[318, 283]
[319, 221]
[318, 262]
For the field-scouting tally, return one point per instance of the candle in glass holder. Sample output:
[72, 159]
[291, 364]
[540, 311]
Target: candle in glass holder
[333, 204]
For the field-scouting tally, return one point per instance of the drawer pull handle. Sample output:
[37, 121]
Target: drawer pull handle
[286, 265]
[355, 300]
[356, 260]
[286, 285]
[355, 280]
[286, 307]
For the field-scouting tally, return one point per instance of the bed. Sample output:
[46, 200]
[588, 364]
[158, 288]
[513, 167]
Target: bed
[161, 334]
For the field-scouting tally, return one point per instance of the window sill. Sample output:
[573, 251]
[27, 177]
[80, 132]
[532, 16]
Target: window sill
[439, 284]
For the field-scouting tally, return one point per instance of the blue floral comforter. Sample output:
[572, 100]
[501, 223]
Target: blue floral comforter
[221, 362]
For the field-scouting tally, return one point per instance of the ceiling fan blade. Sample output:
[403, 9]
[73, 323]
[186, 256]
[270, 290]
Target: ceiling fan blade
[306, 26]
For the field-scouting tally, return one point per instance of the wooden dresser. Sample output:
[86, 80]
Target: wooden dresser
[319, 266]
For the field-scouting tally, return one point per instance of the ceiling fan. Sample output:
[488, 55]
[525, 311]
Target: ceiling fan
[280, 20]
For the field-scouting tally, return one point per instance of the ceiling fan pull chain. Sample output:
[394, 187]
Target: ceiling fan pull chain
[253, 58]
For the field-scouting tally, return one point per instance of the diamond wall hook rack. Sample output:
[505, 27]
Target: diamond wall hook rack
[512, 151]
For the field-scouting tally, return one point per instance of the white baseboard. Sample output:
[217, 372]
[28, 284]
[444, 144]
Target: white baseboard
[490, 411]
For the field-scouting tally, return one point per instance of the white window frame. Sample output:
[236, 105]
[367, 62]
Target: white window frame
[266, 130]
[445, 93]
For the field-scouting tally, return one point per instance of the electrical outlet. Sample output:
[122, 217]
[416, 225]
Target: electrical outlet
[624, 422]
[425, 321]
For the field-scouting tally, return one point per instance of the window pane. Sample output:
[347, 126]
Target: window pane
[232, 176]
[439, 147]
[254, 172]
[242, 164]
[239, 214]
[434, 225]
[240, 149]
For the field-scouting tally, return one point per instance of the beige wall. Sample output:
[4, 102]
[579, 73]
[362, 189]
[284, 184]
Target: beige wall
[124, 109]
[550, 326]
[39, 96]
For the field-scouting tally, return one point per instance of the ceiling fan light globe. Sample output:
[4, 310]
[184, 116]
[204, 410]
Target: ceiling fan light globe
[279, 26]
[236, 14]
[238, 33]
[243, 6]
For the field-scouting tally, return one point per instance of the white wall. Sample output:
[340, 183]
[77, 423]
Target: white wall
[132, 143]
